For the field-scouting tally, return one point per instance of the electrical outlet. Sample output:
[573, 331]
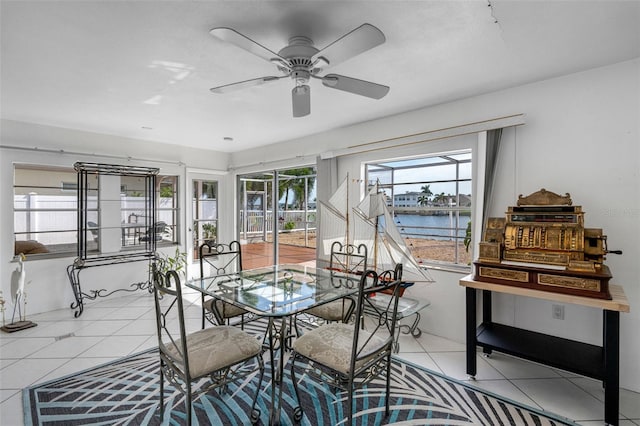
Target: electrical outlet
[557, 312]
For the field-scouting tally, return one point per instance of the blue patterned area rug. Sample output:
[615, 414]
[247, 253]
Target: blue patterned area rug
[126, 392]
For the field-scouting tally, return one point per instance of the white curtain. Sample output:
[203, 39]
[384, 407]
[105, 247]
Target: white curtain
[493, 149]
[326, 184]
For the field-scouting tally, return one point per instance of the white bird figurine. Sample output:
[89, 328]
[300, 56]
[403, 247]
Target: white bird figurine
[17, 287]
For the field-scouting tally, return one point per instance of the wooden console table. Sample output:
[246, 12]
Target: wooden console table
[598, 362]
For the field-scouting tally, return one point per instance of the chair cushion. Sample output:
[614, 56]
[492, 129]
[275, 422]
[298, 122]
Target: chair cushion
[332, 311]
[217, 347]
[227, 310]
[331, 344]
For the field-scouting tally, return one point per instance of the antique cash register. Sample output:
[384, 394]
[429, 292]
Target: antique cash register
[542, 244]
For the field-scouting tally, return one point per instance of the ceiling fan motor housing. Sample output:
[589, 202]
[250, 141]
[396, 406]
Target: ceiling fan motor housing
[298, 55]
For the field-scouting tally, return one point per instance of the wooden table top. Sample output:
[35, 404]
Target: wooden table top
[618, 302]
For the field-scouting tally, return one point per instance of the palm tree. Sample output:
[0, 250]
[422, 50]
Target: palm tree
[423, 200]
[441, 199]
[283, 189]
[298, 189]
[295, 185]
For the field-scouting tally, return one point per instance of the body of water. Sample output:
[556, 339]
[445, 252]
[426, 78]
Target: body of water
[434, 227]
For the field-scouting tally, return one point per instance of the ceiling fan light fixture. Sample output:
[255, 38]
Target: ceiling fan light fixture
[300, 76]
[301, 90]
[301, 100]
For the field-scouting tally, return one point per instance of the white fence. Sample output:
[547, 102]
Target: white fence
[52, 219]
[261, 222]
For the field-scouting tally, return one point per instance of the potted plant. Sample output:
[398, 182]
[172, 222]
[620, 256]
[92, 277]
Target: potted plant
[209, 231]
[177, 262]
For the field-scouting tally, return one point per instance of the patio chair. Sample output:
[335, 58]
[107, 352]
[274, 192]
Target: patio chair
[346, 355]
[219, 259]
[223, 354]
[93, 228]
[160, 228]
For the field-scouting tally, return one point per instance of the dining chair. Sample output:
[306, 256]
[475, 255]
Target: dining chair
[349, 356]
[382, 299]
[223, 354]
[219, 259]
[345, 258]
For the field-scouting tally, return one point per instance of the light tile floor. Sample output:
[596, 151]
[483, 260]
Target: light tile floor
[117, 326]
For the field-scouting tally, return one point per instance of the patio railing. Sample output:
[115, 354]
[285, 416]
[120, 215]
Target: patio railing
[256, 222]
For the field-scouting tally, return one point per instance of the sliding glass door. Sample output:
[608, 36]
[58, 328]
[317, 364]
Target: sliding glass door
[277, 216]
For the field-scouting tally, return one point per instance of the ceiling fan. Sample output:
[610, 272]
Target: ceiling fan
[301, 61]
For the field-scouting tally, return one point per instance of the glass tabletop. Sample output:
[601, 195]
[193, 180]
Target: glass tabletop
[278, 290]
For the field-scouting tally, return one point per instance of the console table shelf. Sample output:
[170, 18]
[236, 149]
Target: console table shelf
[598, 362]
[585, 359]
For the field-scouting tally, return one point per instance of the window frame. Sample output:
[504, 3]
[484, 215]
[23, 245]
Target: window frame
[401, 202]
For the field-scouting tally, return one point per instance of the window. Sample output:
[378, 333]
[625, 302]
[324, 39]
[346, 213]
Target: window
[45, 210]
[430, 199]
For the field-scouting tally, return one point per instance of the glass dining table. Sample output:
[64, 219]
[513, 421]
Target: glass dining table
[278, 293]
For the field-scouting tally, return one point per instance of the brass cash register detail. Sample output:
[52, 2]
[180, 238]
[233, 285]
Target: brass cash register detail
[545, 198]
[504, 274]
[573, 282]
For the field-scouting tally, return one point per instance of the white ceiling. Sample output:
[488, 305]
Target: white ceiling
[143, 69]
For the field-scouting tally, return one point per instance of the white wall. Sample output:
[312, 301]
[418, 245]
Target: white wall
[48, 286]
[582, 137]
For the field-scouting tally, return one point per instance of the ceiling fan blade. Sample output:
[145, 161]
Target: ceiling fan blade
[353, 85]
[242, 41]
[301, 97]
[244, 84]
[353, 43]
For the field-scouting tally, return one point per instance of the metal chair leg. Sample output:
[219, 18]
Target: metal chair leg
[388, 390]
[297, 411]
[255, 413]
[161, 393]
[350, 401]
[188, 406]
